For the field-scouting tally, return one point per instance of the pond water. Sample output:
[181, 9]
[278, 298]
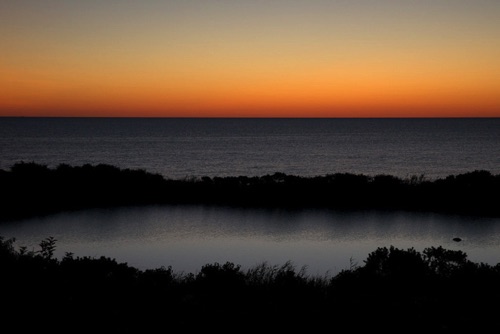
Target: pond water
[189, 236]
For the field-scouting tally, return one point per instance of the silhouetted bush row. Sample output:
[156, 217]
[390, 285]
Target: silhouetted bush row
[30, 188]
[437, 290]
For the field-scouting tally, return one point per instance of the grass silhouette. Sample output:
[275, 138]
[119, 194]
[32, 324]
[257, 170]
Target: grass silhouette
[437, 290]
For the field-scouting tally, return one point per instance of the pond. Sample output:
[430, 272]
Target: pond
[187, 237]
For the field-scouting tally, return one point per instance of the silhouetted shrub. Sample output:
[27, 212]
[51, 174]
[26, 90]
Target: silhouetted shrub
[437, 289]
[31, 189]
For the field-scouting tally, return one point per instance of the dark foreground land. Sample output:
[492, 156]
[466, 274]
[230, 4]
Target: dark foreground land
[403, 291]
[29, 189]
[395, 290]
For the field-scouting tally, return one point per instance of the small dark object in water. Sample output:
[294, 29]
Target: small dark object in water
[457, 239]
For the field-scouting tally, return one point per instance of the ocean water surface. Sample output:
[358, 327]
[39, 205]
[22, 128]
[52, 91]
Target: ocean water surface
[178, 148]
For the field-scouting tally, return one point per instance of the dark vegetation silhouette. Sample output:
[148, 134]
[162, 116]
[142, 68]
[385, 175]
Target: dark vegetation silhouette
[29, 189]
[396, 290]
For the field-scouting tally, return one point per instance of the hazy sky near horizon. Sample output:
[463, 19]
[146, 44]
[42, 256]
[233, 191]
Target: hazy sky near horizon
[257, 58]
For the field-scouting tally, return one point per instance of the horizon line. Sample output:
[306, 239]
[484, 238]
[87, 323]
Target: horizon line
[256, 117]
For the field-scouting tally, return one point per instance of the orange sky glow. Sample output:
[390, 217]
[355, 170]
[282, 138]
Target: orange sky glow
[255, 59]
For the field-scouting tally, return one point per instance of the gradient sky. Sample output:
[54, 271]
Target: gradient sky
[274, 58]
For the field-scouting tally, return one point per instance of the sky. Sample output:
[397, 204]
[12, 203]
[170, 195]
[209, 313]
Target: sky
[250, 58]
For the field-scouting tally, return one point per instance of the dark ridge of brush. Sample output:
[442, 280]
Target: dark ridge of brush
[29, 189]
[395, 290]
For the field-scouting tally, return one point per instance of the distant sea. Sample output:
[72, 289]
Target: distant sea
[179, 148]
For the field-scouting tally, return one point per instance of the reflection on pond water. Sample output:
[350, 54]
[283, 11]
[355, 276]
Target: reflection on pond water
[187, 237]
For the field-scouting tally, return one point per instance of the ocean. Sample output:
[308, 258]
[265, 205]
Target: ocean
[180, 148]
